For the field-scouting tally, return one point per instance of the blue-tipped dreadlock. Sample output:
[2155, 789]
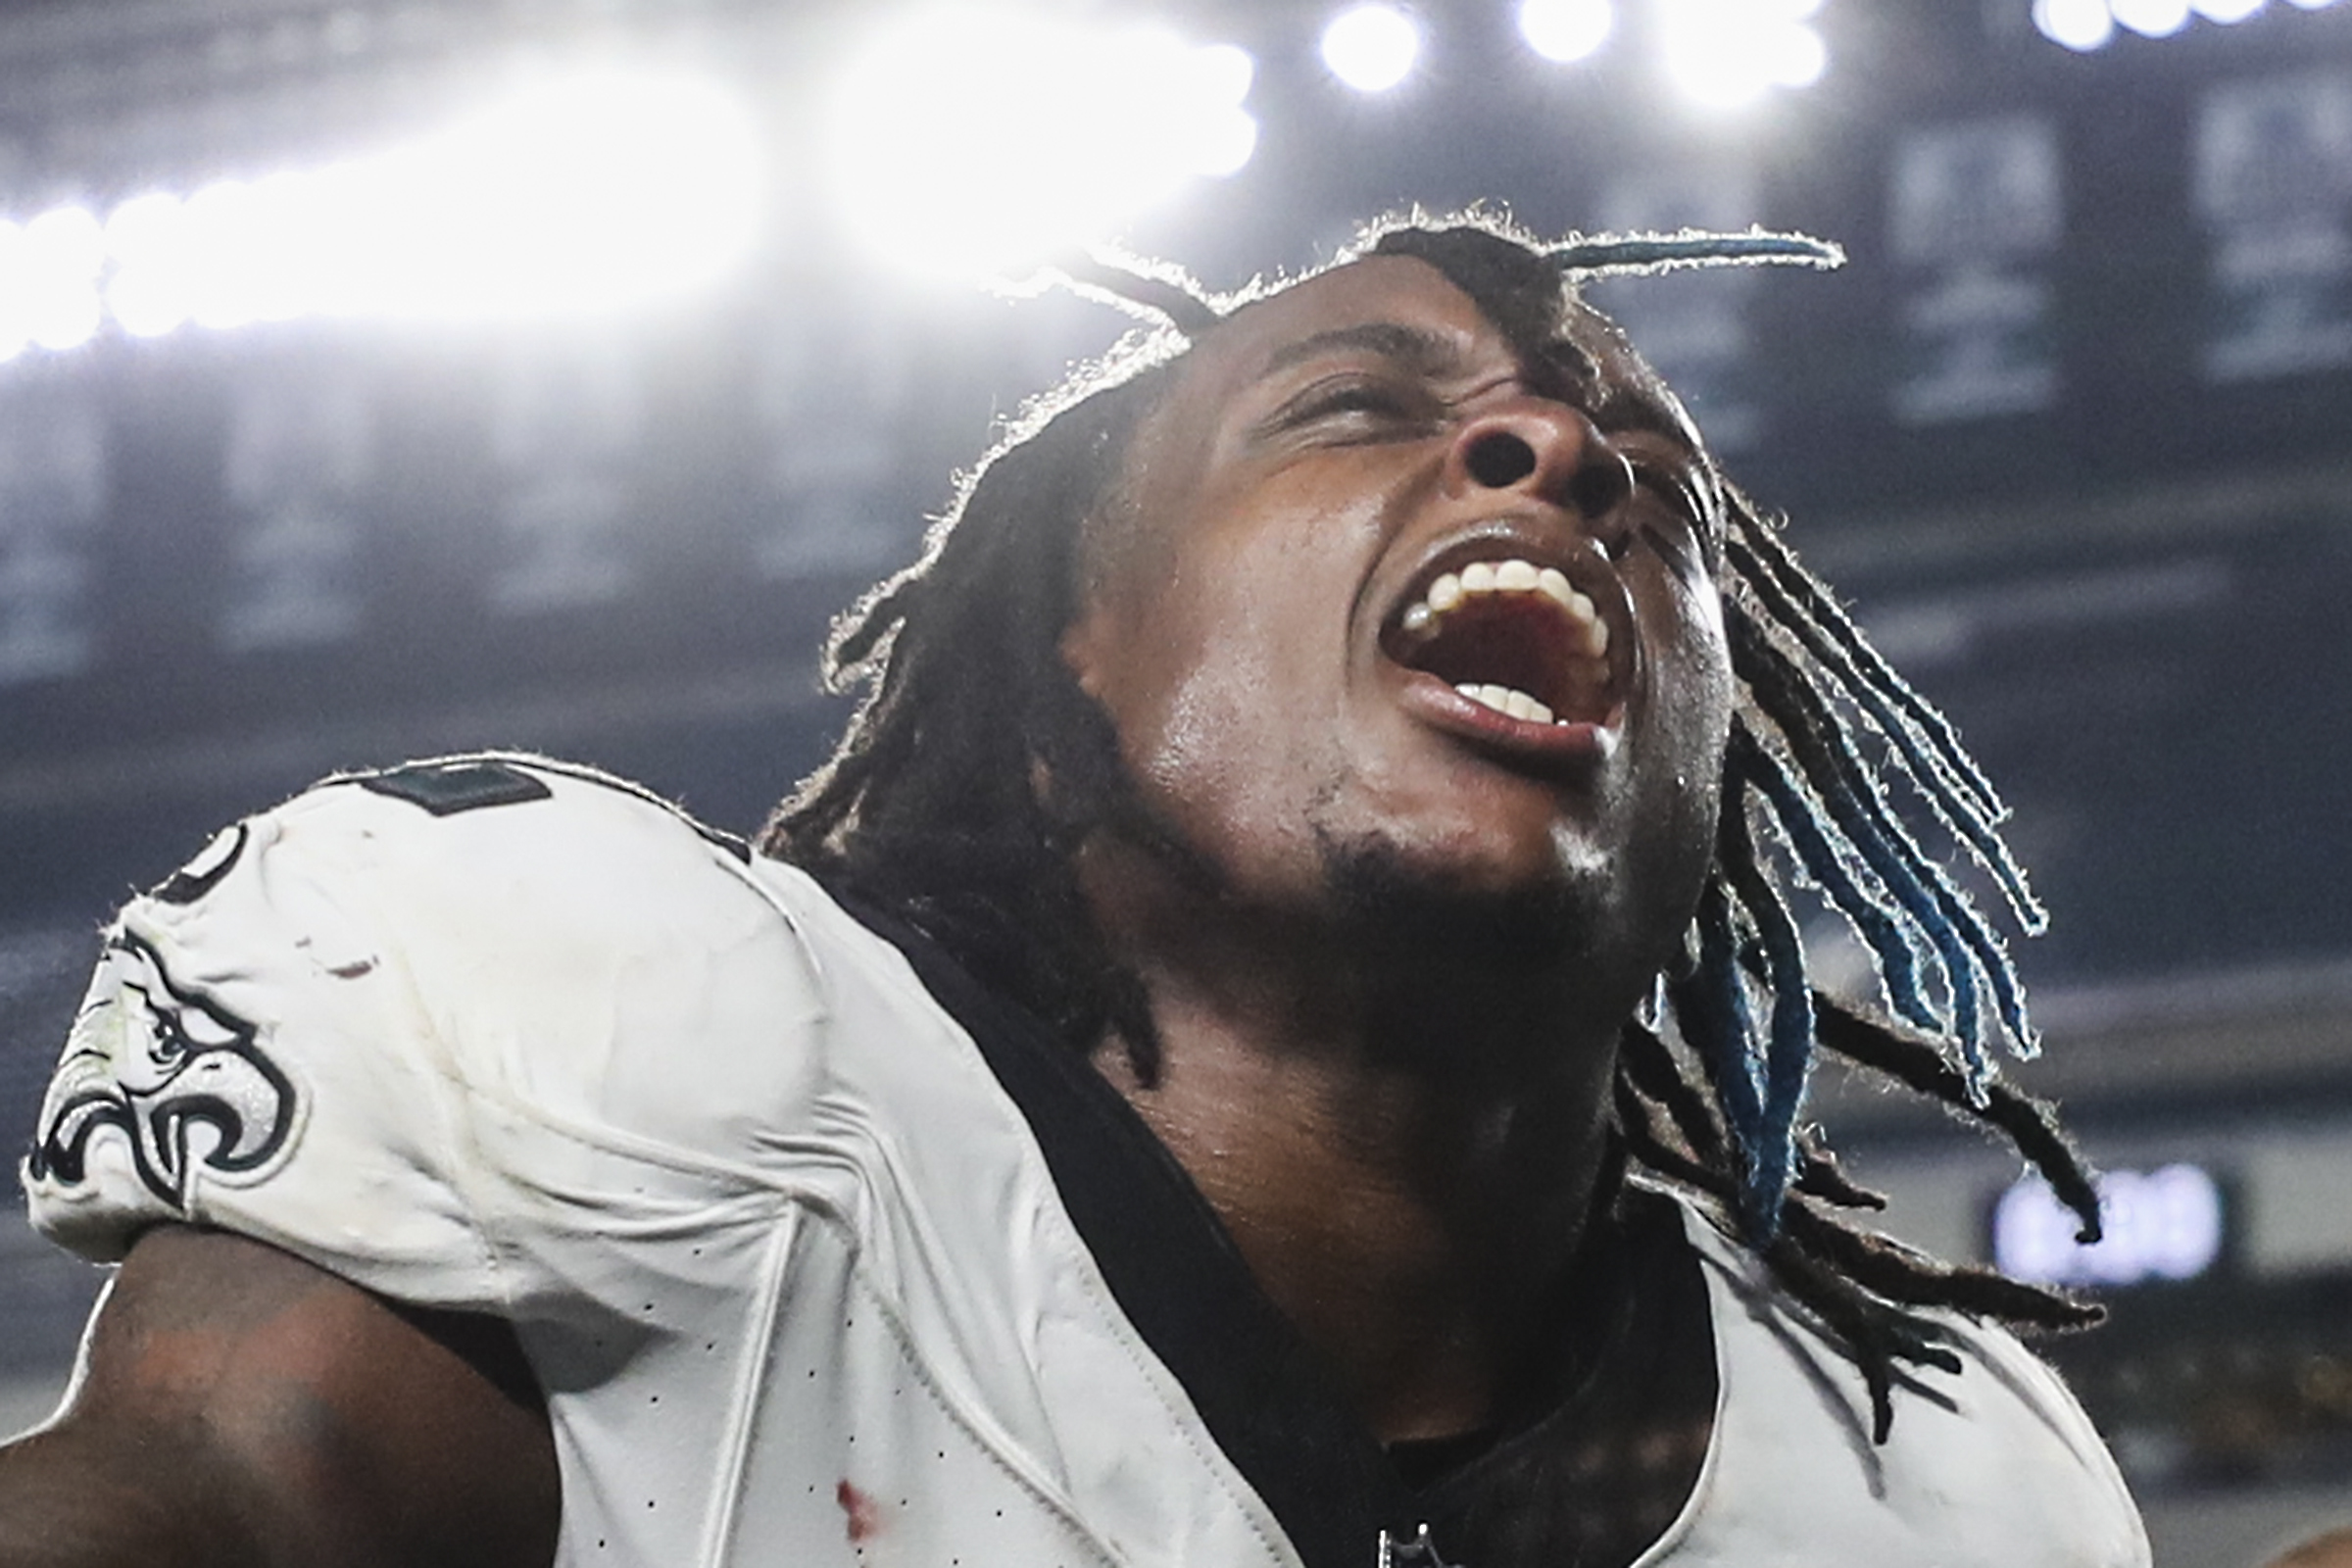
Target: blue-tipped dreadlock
[1849, 883]
[1965, 802]
[930, 805]
[1787, 1050]
[1826, 751]
[1714, 1009]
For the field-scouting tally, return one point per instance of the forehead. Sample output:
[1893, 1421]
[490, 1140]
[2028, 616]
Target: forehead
[1331, 313]
[1395, 290]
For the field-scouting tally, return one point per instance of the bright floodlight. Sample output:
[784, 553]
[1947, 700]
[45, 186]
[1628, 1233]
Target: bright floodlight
[1729, 52]
[2227, 12]
[49, 281]
[1795, 57]
[2152, 18]
[2311, 5]
[588, 191]
[966, 140]
[2079, 25]
[593, 191]
[56, 259]
[259, 251]
[148, 293]
[1565, 30]
[14, 332]
[1372, 47]
[1224, 136]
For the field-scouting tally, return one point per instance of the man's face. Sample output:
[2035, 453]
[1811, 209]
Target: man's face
[1357, 538]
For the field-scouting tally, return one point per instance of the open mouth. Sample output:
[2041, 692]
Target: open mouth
[1511, 636]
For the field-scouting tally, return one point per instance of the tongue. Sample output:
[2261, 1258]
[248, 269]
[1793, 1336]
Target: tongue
[1517, 642]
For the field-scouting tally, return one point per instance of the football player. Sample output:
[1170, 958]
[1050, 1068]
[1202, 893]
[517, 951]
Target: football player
[1276, 1039]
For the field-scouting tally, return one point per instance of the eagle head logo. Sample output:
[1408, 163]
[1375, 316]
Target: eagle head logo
[170, 1068]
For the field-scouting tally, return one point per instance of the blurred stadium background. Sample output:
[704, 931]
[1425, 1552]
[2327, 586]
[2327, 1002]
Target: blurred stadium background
[386, 377]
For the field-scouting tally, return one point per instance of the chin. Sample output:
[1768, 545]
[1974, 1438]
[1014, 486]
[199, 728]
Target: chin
[1480, 909]
[1488, 900]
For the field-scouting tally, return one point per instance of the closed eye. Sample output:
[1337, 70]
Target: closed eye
[1359, 407]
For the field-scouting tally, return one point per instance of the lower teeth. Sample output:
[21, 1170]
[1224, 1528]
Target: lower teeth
[1504, 700]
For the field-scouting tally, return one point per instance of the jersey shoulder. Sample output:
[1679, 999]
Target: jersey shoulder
[1995, 1464]
[510, 825]
[375, 988]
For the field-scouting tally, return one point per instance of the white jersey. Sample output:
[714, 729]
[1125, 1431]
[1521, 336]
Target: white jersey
[825, 1263]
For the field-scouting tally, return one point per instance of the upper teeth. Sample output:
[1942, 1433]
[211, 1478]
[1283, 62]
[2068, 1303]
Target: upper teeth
[1590, 632]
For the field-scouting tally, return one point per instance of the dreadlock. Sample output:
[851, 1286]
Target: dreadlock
[975, 767]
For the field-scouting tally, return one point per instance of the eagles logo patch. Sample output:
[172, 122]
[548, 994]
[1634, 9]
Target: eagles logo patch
[172, 1071]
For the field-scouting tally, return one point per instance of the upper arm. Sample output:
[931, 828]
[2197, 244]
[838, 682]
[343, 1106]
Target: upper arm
[238, 1404]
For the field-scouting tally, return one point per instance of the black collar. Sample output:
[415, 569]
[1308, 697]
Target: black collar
[1276, 1415]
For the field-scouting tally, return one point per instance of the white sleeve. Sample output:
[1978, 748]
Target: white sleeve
[411, 1029]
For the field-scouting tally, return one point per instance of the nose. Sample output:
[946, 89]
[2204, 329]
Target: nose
[1548, 449]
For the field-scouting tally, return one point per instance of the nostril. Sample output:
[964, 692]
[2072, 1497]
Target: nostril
[1500, 459]
[1603, 486]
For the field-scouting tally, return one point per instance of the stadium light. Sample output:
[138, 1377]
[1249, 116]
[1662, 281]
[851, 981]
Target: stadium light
[152, 290]
[586, 192]
[49, 281]
[1566, 30]
[2078, 24]
[2151, 19]
[593, 191]
[1372, 47]
[1729, 52]
[970, 140]
[2087, 25]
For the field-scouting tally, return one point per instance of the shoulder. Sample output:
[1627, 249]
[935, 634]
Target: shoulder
[1997, 1464]
[569, 943]
[501, 825]
[396, 982]
[470, 887]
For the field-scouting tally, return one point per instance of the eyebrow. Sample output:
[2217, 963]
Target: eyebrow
[1416, 349]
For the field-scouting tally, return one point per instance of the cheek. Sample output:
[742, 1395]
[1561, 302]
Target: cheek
[1693, 698]
[1233, 643]
[1189, 745]
[1225, 725]
[1688, 676]
[1222, 738]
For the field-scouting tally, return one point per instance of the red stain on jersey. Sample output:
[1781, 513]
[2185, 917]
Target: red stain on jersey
[865, 1515]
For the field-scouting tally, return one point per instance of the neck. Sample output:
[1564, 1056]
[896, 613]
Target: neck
[1402, 1140]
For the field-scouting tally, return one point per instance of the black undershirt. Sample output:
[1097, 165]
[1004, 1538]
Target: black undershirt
[1601, 1469]
[1588, 1471]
